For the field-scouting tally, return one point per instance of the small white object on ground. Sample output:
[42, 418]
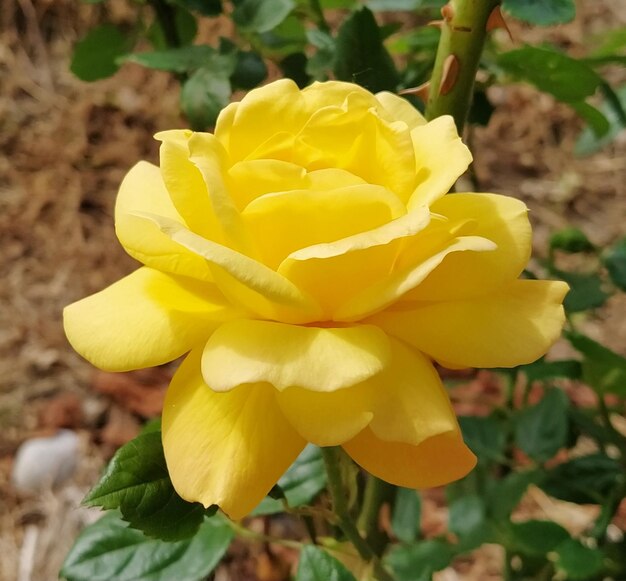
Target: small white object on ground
[41, 463]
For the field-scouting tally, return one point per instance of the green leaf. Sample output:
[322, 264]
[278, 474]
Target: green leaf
[261, 15]
[137, 482]
[571, 240]
[567, 79]
[603, 369]
[203, 96]
[484, 436]
[393, 5]
[507, 493]
[467, 513]
[585, 291]
[405, 520]
[95, 56]
[419, 561]
[361, 56]
[536, 537]
[250, 70]
[317, 565]
[108, 550]
[304, 480]
[542, 370]
[589, 141]
[541, 430]
[287, 38]
[205, 7]
[185, 59]
[615, 263]
[585, 480]
[578, 562]
[467, 520]
[541, 12]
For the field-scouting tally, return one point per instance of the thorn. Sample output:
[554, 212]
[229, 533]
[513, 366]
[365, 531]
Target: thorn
[435, 23]
[496, 20]
[421, 92]
[450, 74]
[447, 12]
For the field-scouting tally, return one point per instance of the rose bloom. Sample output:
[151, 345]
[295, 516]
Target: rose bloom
[305, 259]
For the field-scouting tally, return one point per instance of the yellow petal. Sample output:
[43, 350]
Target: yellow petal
[405, 402]
[353, 137]
[395, 108]
[208, 155]
[253, 178]
[334, 272]
[243, 280]
[322, 94]
[512, 326]
[185, 185]
[329, 418]
[145, 319]
[284, 222]
[143, 190]
[436, 461]
[389, 290]
[440, 158]
[411, 403]
[229, 448]
[501, 219]
[256, 118]
[320, 359]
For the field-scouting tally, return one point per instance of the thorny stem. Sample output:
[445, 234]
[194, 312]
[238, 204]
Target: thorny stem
[463, 34]
[337, 491]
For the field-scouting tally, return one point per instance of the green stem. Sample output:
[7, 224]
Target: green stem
[463, 35]
[616, 436]
[166, 16]
[318, 13]
[377, 492]
[332, 459]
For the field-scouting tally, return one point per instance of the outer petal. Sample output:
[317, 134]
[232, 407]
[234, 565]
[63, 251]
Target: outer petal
[502, 219]
[227, 449]
[512, 326]
[143, 190]
[330, 418]
[145, 319]
[411, 403]
[244, 280]
[436, 461]
[405, 402]
[440, 158]
[316, 358]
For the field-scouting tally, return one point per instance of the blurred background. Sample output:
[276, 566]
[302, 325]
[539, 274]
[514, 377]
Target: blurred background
[65, 146]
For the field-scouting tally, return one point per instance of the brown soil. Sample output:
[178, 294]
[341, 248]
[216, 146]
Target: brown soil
[64, 148]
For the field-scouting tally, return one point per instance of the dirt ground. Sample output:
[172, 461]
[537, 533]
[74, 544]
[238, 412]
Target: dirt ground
[64, 148]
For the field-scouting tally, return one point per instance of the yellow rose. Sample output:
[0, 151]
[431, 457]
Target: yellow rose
[307, 260]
